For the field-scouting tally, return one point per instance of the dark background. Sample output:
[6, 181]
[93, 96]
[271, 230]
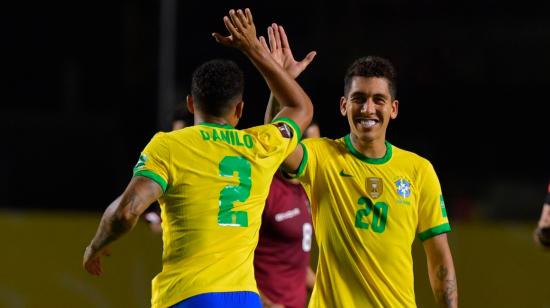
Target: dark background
[81, 93]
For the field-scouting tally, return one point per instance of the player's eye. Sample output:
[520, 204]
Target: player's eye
[358, 99]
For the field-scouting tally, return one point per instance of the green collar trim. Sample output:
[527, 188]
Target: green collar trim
[217, 125]
[374, 161]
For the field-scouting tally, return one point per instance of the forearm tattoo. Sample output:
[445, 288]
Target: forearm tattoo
[445, 291]
[111, 227]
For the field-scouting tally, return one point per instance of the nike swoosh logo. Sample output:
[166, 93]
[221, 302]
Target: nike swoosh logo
[342, 173]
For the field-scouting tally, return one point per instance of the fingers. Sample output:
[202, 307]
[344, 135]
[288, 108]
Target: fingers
[242, 31]
[277, 34]
[248, 14]
[307, 60]
[93, 266]
[221, 39]
[238, 19]
[271, 36]
[264, 44]
[229, 25]
[284, 38]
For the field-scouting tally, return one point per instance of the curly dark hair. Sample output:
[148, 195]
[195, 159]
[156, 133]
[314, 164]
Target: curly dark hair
[216, 85]
[372, 66]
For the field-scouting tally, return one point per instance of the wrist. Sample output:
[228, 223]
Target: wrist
[543, 236]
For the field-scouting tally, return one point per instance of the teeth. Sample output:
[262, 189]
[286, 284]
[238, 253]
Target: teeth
[367, 123]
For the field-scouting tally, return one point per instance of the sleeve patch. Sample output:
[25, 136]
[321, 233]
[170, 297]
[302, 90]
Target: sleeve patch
[284, 129]
[141, 162]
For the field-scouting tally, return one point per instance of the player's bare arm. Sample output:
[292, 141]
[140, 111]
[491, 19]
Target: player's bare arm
[542, 232]
[119, 218]
[441, 271]
[280, 51]
[310, 278]
[295, 103]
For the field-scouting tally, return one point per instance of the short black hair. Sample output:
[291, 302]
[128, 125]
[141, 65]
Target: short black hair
[372, 66]
[216, 84]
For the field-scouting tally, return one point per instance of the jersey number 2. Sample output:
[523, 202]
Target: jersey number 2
[231, 193]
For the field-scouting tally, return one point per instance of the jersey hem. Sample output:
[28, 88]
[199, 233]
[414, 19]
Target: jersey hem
[177, 299]
[443, 228]
[152, 176]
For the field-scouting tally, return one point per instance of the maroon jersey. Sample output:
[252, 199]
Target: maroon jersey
[282, 254]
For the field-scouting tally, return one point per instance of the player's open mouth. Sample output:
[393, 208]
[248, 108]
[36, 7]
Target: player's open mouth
[366, 123]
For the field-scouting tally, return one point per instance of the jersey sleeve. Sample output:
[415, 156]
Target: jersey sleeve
[432, 215]
[289, 134]
[154, 161]
[307, 170]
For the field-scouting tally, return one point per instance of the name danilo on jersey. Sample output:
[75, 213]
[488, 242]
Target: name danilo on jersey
[230, 137]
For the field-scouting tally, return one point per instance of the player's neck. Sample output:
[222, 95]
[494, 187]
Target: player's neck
[370, 148]
[201, 118]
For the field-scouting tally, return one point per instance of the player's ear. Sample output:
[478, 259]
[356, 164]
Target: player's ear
[239, 109]
[343, 105]
[190, 104]
[394, 109]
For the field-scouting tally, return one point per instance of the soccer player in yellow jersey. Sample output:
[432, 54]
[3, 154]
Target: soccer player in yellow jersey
[369, 200]
[211, 181]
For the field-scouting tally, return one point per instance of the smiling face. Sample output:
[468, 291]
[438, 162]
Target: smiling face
[369, 106]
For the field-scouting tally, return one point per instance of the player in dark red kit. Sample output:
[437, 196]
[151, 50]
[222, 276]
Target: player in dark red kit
[281, 262]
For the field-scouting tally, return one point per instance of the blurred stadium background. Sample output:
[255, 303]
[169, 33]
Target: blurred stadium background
[89, 83]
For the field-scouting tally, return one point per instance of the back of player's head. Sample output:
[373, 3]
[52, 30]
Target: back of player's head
[216, 86]
[371, 66]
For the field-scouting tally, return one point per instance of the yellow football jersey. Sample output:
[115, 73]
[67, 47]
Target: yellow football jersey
[366, 214]
[215, 180]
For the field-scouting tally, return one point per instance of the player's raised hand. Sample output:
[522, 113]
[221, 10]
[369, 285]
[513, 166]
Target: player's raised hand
[242, 31]
[279, 48]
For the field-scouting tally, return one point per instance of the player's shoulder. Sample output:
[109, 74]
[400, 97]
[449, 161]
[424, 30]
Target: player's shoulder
[411, 157]
[325, 147]
[175, 135]
[324, 142]
[158, 138]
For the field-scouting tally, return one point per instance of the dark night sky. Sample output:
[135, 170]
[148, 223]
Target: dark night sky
[81, 98]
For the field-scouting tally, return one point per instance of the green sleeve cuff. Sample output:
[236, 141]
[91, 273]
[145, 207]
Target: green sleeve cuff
[303, 163]
[443, 228]
[291, 122]
[153, 176]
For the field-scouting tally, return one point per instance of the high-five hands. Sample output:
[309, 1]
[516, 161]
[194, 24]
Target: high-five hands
[281, 52]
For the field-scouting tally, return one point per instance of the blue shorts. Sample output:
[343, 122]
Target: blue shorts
[244, 299]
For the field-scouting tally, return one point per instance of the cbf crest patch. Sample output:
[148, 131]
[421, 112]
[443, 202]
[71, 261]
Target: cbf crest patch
[375, 188]
[403, 188]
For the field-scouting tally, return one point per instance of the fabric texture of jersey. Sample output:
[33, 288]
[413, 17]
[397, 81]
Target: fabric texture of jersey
[282, 254]
[366, 213]
[215, 180]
